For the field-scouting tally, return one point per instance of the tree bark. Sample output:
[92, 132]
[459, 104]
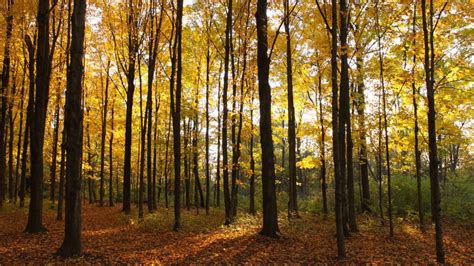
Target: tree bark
[73, 125]
[429, 65]
[269, 208]
[43, 69]
[292, 195]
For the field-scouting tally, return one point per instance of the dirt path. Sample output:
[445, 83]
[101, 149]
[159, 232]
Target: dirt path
[111, 237]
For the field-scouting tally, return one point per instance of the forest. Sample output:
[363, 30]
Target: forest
[236, 131]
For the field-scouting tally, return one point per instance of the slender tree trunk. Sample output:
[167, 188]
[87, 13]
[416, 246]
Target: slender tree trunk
[227, 199]
[62, 178]
[384, 108]
[132, 56]
[270, 219]
[73, 124]
[359, 102]
[176, 111]
[29, 116]
[218, 170]
[4, 99]
[252, 163]
[429, 64]
[20, 132]
[102, 140]
[55, 149]
[111, 156]
[292, 195]
[324, 185]
[416, 128]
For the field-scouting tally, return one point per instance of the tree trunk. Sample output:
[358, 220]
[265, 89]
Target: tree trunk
[111, 167]
[73, 125]
[269, 208]
[62, 178]
[176, 111]
[384, 108]
[102, 140]
[292, 195]
[416, 128]
[252, 163]
[43, 67]
[55, 149]
[132, 56]
[4, 99]
[429, 65]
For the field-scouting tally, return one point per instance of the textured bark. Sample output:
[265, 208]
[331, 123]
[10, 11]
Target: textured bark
[73, 125]
[43, 69]
[429, 64]
[133, 46]
[270, 221]
[252, 164]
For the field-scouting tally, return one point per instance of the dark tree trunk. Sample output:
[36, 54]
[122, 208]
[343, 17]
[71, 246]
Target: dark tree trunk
[225, 162]
[62, 177]
[429, 64]
[292, 195]
[208, 70]
[252, 164]
[4, 99]
[359, 102]
[43, 67]
[218, 170]
[269, 208]
[132, 57]
[187, 178]
[111, 167]
[20, 131]
[55, 149]
[102, 140]
[416, 128]
[384, 108]
[343, 110]
[324, 185]
[29, 117]
[73, 125]
[176, 111]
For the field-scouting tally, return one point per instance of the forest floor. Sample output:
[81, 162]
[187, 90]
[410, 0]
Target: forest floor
[111, 237]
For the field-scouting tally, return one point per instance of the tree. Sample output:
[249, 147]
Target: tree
[429, 65]
[270, 219]
[4, 98]
[103, 135]
[292, 203]
[176, 112]
[73, 125]
[43, 70]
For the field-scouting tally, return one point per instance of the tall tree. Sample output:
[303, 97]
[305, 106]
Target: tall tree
[73, 125]
[43, 70]
[385, 123]
[133, 46]
[105, 103]
[4, 97]
[416, 127]
[292, 195]
[429, 64]
[176, 112]
[270, 219]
